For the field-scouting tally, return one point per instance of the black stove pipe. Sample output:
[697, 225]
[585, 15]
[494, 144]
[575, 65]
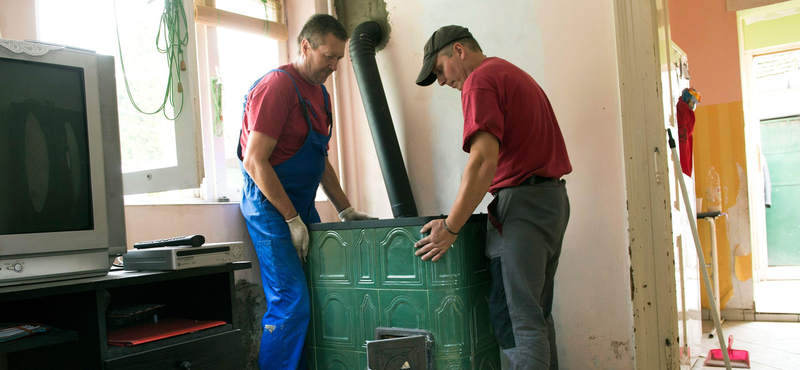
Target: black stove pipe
[362, 52]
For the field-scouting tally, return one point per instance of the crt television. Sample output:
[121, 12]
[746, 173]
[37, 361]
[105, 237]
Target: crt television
[61, 204]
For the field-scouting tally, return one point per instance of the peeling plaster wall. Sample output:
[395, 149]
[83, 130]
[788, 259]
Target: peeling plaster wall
[569, 48]
[719, 142]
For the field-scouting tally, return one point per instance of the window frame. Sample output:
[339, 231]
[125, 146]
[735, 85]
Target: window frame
[189, 171]
[215, 187]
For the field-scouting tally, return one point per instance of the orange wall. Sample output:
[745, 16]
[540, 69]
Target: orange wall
[706, 31]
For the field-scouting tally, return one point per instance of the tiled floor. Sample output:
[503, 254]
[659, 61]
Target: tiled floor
[772, 345]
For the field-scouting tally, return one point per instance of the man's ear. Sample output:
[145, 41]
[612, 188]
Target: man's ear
[459, 48]
[304, 47]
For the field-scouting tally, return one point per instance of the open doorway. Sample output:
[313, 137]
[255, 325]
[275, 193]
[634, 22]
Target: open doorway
[776, 90]
[771, 76]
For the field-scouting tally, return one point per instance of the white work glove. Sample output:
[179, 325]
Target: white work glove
[299, 233]
[350, 214]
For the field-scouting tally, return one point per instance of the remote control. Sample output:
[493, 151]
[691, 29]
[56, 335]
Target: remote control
[188, 240]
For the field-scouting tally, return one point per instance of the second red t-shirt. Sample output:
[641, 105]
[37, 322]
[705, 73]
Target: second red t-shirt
[505, 101]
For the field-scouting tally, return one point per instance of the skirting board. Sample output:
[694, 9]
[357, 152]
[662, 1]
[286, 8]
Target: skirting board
[751, 315]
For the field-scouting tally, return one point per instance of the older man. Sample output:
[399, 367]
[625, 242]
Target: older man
[517, 153]
[286, 126]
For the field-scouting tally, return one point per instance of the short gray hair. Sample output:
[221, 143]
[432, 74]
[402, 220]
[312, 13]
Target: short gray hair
[469, 42]
[319, 26]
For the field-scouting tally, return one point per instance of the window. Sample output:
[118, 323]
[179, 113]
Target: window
[777, 84]
[237, 59]
[157, 153]
[163, 158]
[240, 59]
[238, 53]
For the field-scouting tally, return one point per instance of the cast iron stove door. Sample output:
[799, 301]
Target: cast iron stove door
[404, 350]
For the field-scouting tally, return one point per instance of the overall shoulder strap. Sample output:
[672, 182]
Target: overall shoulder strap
[327, 99]
[299, 98]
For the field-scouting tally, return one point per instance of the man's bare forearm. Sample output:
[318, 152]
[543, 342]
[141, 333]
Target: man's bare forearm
[478, 175]
[333, 189]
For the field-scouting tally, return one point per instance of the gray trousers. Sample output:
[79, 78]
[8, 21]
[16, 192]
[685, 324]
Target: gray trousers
[525, 233]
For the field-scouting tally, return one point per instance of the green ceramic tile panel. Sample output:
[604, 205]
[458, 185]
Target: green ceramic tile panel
[362, 361]
[365, 256]
[368, 316]
[404, 309]
[488, 359]
[311, 357]
[450, 319]
[448, 272]
[362, 278]
[453, 363]
[311, 336]
[400, 268]
[337, 360]
[331, 258]
[475, 253]
[307, 266]
[481, 326]
[334, 318]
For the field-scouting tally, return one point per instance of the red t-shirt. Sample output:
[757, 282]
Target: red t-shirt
[685, 132]
[503, 100]
[274, 109]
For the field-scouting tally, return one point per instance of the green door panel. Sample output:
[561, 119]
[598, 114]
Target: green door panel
[780, 140]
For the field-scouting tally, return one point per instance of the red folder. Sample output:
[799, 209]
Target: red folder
[158, 330]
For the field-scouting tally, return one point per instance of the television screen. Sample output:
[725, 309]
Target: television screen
[45, 177]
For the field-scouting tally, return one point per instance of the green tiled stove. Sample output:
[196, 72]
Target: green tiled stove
[363, 276]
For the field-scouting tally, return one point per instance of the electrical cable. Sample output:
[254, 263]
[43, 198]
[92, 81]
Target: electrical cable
[217, 89]
[266, 18]
[175, 39]
[216, 97]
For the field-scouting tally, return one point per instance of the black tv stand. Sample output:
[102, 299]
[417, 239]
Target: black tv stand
[76, 309]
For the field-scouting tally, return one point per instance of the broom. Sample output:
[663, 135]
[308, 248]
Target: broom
[700, 256]
[739, 358]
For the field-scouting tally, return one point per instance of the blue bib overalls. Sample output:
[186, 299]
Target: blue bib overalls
[288, 308]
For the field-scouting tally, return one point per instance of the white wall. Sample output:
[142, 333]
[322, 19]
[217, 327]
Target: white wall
[18, 19]
[569, 48]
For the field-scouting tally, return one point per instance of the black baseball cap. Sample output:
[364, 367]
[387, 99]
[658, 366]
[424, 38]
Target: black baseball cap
[441, 38]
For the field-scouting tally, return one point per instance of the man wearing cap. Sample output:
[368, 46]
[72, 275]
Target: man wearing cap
[517, 153]
[283, 146]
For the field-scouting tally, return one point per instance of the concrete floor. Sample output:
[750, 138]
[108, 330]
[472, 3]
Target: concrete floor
[772, 345]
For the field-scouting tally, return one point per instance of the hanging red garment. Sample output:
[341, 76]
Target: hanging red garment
[685, 132]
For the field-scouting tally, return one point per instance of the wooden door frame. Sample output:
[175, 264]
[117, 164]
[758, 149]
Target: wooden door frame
[653, 286]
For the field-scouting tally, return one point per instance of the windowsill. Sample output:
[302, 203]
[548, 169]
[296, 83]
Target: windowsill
[175, 202]
[185, 202]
